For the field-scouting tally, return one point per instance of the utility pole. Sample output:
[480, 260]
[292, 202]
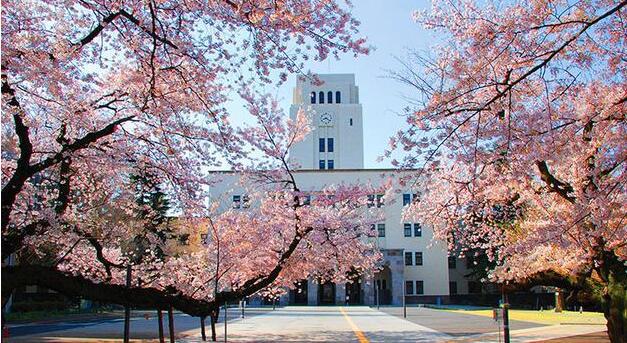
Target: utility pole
[226, 318]
[127, 308]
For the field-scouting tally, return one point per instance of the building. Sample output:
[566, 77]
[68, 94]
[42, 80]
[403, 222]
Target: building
[414, 265]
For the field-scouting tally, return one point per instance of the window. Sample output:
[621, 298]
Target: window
[329, 144]
[306, 200]
[409, 197]
[245, 201]
[338, 97]
[380, 201]
[452, 262]
[417, 230]
[452, 287]
[321, 97]
[370, 202]
[330, 164]
[350, 122]
[321, 144]
[419, 258]
[474, 287]
[237, 201]
[406, 199]
[407, 229]
[470, 262]
[381, 230]
[409, 287]
[381, 284]
[408, 258]
[321, 164]
[420, 287]
[313, 97]
[203, 237]
[330, 97]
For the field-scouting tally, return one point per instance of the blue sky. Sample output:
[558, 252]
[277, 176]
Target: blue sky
[389, 27]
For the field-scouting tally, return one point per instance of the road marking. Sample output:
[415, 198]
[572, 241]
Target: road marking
[360, 335]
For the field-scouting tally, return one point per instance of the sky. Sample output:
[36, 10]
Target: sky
[390, 29]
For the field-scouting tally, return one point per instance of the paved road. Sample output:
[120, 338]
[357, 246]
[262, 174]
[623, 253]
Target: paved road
[454, 323]
[141, 328]
[314, 324]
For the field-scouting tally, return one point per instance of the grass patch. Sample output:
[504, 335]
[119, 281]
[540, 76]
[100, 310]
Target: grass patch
[44, 315]
[548, 317]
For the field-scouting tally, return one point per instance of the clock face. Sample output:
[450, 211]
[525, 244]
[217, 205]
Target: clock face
[326, 119]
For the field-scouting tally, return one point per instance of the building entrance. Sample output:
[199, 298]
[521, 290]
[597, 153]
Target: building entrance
[298, 295]
[326, 293]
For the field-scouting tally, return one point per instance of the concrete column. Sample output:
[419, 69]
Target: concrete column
[312, 292]
[367, 289]
[340, 293]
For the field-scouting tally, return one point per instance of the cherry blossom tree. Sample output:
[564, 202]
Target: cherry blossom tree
[93, 91]
[519, 128]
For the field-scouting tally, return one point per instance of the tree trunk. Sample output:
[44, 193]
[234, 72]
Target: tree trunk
[160, 319]
[559, 300]
[202, 329]
[615, 305]
[171, 324]
[214, 319]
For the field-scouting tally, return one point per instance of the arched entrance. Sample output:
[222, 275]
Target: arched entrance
[298, 295]
[354, 294]
[383, 285]
[326, 293]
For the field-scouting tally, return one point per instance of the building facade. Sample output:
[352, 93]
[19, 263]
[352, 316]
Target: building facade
[415, 267]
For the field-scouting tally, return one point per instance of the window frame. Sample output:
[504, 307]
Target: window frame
[417, 230]
[236, 204]
[312, 97]
[380, 229]
[420, 290]
[321, 147]
[338, 97]
[409, 257]
[409, 290]
[329, 97]
[419, 258]
[322, 164]
[330, 144]
[321, 97]
[406, 227]
[330, 164]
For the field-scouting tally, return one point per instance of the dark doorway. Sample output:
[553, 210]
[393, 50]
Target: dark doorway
[326, 293]
[298, 295]
[353, 292]
[383, 284]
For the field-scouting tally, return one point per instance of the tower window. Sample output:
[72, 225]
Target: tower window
[330, 164]
[313, 97]
[321, 144]
[329, 144]
[321, 164]
[330, 97]
[350, 122]
[338, 97]
[321, 97]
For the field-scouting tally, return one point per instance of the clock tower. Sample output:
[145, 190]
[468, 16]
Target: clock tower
[336, 141]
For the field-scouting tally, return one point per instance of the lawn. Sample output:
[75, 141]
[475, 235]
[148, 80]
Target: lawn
[545, 317]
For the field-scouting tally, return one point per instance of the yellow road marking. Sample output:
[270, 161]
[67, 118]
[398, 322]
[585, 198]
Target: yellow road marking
[360, 335]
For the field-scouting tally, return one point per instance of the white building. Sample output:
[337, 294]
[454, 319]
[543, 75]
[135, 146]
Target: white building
[334, 152]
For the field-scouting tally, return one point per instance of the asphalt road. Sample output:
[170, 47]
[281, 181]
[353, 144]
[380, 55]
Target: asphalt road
[141, 328]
